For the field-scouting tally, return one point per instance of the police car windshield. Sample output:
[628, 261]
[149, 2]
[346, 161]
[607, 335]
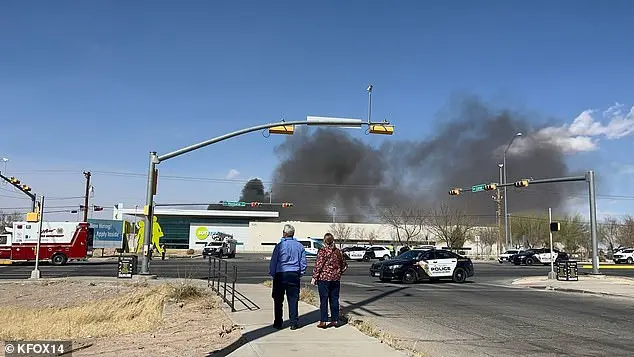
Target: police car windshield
[410, 255]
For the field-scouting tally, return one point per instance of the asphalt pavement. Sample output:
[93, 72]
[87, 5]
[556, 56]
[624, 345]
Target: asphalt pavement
[483, 317]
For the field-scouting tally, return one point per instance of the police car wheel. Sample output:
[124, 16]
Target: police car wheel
[409, 276]
[529, 261]
[459, 275]
[629, 260]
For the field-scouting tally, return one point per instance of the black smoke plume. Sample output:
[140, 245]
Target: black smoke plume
[328, 168]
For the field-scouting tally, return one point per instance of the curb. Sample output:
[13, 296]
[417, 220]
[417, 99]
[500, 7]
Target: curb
[578, 291]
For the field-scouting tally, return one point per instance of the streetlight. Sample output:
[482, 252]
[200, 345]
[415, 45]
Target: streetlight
[283, 127]
[506, 212]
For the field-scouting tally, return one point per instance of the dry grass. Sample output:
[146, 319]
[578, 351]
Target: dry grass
[306, 294]
[139, 310]
[385, 337]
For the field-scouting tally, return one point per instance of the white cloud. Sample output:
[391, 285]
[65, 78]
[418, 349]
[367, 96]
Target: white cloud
[233, 173]
[584, 133]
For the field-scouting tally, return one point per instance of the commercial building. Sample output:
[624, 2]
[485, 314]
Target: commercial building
[259, 230]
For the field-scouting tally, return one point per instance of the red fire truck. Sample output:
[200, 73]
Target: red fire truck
[60, 242]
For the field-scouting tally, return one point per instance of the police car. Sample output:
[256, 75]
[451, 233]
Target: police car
[432, 264]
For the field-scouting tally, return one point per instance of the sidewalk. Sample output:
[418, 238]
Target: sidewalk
[588, 284]
[260, 339]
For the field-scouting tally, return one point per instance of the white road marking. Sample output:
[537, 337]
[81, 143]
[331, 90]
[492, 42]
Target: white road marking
[357, 284]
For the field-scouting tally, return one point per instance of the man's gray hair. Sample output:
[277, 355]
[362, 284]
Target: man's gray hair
[289, 230]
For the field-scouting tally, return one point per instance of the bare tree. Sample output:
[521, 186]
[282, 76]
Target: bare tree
[532, 228]
[609, 233]
[488, 237]
[626, 232]
[342, 232]
[359, 233]
[407, 222]
[7, 219]
[372, 236]
[573, 233]
[450, 225]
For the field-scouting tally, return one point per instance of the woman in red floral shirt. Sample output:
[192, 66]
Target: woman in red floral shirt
[327, 272]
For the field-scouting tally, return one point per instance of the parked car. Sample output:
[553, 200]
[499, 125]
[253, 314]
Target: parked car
[506, 256]
[624, 256]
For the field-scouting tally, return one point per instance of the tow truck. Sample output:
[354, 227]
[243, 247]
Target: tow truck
[221, 244]
[60, 242]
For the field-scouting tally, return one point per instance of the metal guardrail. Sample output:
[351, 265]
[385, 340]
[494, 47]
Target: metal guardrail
[221, 274]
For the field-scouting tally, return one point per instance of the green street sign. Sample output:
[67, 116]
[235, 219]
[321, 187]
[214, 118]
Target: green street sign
[234, 203]
[477, 188]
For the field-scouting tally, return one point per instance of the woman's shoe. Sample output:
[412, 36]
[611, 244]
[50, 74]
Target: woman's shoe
[322, 325]
[332, 324]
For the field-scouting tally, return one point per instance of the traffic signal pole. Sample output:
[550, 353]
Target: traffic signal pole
[588, 177]
[24, 189]
[375, 128]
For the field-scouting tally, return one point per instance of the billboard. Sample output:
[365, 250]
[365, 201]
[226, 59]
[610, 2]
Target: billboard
[201, 233]
[106, 233]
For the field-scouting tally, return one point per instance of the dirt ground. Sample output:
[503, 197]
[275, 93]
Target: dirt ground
[188, 326]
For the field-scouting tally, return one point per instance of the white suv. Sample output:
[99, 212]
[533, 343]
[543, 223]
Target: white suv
[624, 256]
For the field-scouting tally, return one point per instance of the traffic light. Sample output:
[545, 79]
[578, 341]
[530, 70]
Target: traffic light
[521, 183]
[454, 192]
[25, 188]
[555, 226]
[97, 208]
[14, 181]
[282, 129]
[490, 187]
[286, 204]
[256, 204]
[384, 129]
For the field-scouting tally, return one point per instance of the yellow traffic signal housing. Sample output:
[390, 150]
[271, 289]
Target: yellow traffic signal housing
[25, 188]
[490, 187]
[384, 129]
[14, 181]
[282, 129]
[32, 217]
[146, 210]
[521, 183]
[454, 192]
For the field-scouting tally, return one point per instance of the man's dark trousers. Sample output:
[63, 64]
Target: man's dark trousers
[286, 283]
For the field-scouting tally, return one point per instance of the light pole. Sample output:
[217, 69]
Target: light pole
[506, 210]
[276, 128]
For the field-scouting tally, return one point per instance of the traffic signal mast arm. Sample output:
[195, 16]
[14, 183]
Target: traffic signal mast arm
[520, 183]
[16, 183]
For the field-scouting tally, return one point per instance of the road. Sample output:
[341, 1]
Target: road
[485, 317]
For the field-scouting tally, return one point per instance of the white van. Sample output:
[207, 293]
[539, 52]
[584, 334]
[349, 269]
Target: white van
[311, 246]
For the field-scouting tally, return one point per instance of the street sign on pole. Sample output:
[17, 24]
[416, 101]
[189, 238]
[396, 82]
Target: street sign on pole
[478, 188]
[234, 204]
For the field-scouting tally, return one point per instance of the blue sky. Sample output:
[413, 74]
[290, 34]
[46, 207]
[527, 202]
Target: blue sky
[96, 85]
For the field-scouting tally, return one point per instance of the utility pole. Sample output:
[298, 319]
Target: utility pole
[87, 175]
[498, 200]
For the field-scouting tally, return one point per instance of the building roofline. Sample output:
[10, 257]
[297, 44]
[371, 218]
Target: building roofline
[201, 213]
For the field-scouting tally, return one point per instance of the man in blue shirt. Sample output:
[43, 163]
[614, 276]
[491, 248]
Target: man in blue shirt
[288, 265]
